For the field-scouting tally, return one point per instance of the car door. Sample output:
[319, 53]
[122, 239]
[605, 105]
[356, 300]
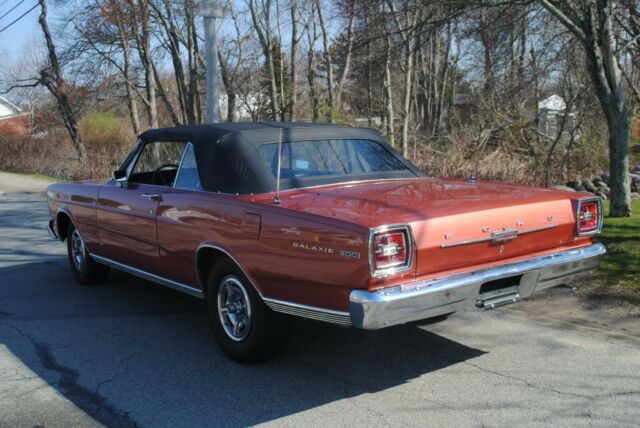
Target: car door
[180, 220]
[127, 208]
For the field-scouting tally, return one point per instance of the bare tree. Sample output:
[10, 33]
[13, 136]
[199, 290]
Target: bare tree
[295, 39]
[592, 24]
[51, 77]
[328, 59]
[352, 8]
[263, 30]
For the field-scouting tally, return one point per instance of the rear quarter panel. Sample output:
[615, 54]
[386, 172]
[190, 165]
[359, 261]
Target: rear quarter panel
[78, 201]
[278, 268]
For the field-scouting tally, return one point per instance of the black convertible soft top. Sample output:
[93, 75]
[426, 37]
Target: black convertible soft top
[228, 159]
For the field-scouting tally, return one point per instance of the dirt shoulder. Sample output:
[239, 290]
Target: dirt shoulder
[23, 183]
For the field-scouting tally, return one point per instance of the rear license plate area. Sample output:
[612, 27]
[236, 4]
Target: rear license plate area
[499, 292]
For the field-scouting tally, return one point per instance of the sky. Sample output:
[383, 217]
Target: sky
[13, 40]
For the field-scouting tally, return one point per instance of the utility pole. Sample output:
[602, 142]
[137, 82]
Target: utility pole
[210, 10]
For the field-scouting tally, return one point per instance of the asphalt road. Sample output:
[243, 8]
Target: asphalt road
[130, 353]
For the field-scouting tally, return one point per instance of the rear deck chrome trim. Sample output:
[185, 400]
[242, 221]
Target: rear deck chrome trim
[192, 291]
[490, 238]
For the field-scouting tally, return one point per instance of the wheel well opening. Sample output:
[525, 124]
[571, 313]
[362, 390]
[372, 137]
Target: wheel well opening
[205, 260]
[62, 224]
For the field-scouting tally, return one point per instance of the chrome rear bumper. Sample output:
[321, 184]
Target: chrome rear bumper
[430, 298]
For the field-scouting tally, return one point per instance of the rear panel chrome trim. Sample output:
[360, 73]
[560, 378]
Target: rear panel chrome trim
[192, 291]
[310, 312]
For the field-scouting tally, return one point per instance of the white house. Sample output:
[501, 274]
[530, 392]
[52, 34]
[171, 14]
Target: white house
[12, 118]
[551, 112]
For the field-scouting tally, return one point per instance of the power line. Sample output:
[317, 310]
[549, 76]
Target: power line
[19, 18]
[11, 10]
[2, 4]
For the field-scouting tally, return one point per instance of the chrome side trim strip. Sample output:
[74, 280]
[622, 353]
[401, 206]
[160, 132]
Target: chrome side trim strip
[490, 238]
[310, 312]
[52, 232]
[149, 276]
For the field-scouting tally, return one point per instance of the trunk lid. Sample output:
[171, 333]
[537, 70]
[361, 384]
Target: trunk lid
[454, 223]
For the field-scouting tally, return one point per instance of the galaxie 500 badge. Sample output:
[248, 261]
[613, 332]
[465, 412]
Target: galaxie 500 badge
[327, 250]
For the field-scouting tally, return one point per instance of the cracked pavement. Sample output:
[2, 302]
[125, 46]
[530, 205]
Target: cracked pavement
[130, 353]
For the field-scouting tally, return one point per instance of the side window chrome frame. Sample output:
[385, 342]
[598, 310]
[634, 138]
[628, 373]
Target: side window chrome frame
[129, 162]
[187, 146]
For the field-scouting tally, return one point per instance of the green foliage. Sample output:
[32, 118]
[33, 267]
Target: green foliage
[327, 111]
[621, 236]
[106, 129]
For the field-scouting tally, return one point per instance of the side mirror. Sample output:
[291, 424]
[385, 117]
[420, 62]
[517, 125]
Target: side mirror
[120, 177]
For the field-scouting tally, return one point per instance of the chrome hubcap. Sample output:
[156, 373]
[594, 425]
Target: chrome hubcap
[78, 253]
[234, 308]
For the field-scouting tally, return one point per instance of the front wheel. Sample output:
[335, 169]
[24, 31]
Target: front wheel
[86, 270]
[246, 329]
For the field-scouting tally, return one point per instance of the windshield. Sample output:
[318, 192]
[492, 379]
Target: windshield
[352, 159]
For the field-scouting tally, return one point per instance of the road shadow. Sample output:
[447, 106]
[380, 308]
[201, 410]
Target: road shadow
[131, 353]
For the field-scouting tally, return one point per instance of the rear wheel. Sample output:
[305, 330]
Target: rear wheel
[86, 270]
[246, 329]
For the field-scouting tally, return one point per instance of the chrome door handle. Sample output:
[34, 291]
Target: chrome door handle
[151, 196]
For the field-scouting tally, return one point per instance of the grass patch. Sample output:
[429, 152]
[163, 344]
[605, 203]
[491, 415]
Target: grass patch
[621, 236]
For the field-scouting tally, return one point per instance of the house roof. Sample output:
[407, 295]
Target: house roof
[554, 102]
[8, 109]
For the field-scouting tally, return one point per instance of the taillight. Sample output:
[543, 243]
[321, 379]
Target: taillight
[391, 250]
[589, 217]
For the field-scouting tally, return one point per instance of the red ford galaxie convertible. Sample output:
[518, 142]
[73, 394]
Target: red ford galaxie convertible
[265, 220]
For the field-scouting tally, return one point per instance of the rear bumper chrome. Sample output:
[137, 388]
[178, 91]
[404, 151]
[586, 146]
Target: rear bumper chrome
[438, 296]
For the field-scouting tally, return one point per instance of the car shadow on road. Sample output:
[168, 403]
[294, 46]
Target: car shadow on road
[130, 353]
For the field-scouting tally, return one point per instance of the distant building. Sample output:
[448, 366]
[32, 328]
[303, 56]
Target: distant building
[247, 106]
[12, 119]
[551, 111]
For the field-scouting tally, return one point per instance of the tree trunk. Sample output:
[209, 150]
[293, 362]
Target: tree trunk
[407, 91]
[194, 109]
[369, 79]
[266, 44]
[144, 49]
[347, 58]
[327, 59]
[619, 133]
[52, 79]
[132, 104]
[228, 87]
[388, 92]
[293, 93]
